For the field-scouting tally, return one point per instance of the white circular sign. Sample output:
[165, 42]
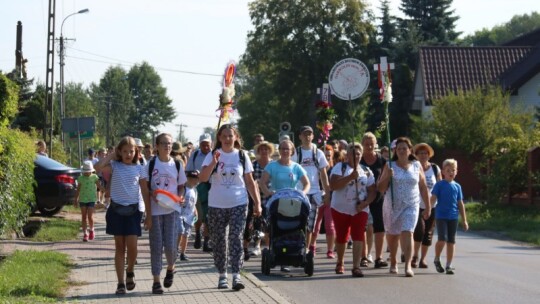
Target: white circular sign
[349, 78]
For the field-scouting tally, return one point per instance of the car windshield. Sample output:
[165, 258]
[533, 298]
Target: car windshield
[49, 163]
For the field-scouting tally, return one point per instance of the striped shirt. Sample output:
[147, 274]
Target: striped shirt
[125, 189]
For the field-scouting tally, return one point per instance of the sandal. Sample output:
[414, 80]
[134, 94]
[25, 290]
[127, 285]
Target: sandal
[130, 282]
[339, 268]
[156, 288]
[120, 289]
[357, 272]
[364, 262]
[422, 264]
[414, 262]
[168, 280]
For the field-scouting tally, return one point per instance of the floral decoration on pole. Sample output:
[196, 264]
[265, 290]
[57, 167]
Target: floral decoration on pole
[227, 93]
[325, 119]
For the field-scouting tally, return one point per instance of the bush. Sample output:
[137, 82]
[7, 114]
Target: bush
[17, 152]
[9, 98]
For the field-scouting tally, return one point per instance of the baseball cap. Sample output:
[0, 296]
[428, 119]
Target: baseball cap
[194, 174]
[138, 142]
[91, 151]
[305, 128]
[205, 137]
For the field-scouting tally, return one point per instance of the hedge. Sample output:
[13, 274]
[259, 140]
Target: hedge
[17, 153]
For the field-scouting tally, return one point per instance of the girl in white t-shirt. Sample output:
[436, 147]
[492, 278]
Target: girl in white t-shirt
[123, 215]
[354, 189]
[163, 236]
[231, 179]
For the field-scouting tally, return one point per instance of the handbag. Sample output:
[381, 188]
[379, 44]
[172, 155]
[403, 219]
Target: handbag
[123, 210]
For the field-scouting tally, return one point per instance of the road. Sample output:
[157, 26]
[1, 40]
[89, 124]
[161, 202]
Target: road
[487, 271]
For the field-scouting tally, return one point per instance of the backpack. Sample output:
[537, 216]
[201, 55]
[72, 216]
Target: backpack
[195, 156]
[344, 167]
[314, 151]
[152, 164]
[435, 169]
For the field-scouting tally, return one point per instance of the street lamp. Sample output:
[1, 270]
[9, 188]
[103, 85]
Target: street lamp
[62, 55]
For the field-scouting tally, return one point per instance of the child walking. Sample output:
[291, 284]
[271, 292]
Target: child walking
[188, 216]
[449, 197]
[86, 198]
[123, 215]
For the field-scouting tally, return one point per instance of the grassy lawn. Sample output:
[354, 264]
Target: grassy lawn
[516, 222]
[33, 276]
[57, 229]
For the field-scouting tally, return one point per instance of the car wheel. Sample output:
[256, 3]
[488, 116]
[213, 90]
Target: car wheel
[49, 211]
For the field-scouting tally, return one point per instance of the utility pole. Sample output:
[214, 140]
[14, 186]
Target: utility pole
[49, 79]
[180, 135]
[107, 137]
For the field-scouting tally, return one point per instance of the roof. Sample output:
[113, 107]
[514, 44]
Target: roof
[530, 38]
[454, 68]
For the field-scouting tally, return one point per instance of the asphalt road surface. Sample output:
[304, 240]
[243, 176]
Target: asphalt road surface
[487, 271]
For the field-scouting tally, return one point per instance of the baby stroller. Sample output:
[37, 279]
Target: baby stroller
[288, 211]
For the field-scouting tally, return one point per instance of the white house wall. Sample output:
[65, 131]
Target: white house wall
[528, 94]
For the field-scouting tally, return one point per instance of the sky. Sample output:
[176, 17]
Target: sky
[188, 42]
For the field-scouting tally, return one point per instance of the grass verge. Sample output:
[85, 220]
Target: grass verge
[57, 229]
[34, 276]
[516, 222]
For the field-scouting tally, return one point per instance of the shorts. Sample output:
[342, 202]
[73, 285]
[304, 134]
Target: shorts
[349, 225]
[312, 212]
[123, 225]
[87, 205]
[376, 211]
[182, 227]
[446, 230]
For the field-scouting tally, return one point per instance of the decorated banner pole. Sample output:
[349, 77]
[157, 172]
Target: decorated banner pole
[225, 108]
[349, 79]
[384, 80]
[325, 114]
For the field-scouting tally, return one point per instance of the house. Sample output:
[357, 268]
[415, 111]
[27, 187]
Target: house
[515, 66]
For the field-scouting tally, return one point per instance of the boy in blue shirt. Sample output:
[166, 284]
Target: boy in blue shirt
[449, 197]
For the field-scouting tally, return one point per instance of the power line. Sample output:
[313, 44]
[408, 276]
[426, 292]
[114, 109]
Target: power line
[130, 64]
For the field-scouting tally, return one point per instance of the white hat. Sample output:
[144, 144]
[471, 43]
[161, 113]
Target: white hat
[205, 137]
[138, 142]
[87, 167]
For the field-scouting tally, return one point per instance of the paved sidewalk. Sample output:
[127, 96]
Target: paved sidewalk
[95, 280]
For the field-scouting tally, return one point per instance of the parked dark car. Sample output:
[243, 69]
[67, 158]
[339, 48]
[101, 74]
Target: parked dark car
[56, 185]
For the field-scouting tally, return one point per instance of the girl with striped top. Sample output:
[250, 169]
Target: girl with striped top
[124, 215]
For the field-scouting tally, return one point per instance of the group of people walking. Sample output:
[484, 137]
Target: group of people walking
[351, 187]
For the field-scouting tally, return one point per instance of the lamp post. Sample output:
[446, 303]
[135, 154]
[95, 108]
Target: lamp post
[62, 63]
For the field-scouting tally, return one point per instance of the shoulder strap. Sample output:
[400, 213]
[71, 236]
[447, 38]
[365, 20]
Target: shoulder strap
[177, 164]
[194, 157]
[242, 156]
[315, 159]
[435, 169]
[151, 166]
[299, 152]
[365, 168]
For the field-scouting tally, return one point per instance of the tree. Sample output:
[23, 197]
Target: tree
[434, 19]
[152, 107]
[112, 99]
[25, 95]
[290, 53]
[387, 30]
[497, 35]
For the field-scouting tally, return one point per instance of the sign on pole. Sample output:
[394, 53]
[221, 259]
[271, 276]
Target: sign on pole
[349, 79]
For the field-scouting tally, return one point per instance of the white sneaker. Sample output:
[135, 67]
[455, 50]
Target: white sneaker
[369, 258]
[256, 251]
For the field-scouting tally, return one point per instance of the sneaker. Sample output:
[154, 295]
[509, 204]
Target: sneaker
[330, 254]
[223, 283]
[285, 269]
[197, 243]
[183, 257]
[379, 263]
[349, 245]
[207, 248]
[91, 235]
[449, 270]
[369, 258]
[438, 266]
[85, 238]
[237, 283]
[256, 252]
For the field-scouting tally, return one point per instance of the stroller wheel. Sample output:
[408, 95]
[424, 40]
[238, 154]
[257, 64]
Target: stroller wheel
[309, 267]
[265, 262]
